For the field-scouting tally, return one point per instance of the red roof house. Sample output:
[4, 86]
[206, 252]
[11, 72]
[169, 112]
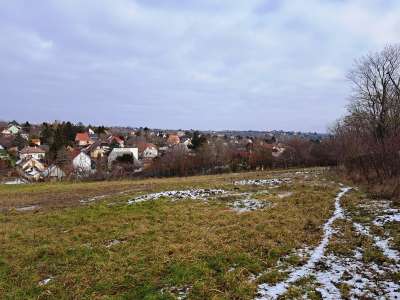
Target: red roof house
[83, 139]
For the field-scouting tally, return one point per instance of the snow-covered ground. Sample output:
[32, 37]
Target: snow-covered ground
[273, 292]
[27, 208]
[363, 279]
[284, 194]
[16, 181]
[180, 292]
[244, 203]
[248, 204]
[264, 182]
[45, 281]
[195, 194]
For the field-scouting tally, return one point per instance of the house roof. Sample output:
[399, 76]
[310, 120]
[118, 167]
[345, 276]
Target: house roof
[31, 150]
[173, 139]
[30, 162]
[82, 137]
[116, 138]
[143, 146]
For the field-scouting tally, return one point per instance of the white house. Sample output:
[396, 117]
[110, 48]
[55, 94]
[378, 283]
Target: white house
[30, 167]
[53, 172]
[187, 141]
[119, 152]
[147, 150]
[150, 152]
[11, 129]
[82, 163]
[277, 151]
[32, 152]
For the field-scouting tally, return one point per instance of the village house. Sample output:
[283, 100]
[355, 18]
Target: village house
[30, 168]
[82, 164]
[117, 140]
[53, 173]
[82, 139]
[278, 150]
[35, 142]
[92, 135]
[147, 150]
[187, 141]
[98, 149]
[32, 152]
[12, 129]
[173, 139]
[119, 152]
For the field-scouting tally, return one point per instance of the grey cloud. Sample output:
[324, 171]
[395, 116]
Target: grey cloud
[192, 64]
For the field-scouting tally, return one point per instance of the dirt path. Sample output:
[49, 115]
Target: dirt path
[272, 292]
[369, 271]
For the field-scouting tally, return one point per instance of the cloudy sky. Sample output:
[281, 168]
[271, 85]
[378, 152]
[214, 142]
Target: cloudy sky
[222, 64]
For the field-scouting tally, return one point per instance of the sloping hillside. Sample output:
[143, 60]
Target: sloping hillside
[289, 234]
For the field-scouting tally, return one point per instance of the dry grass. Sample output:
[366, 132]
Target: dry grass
[163, 245]
[56, 195]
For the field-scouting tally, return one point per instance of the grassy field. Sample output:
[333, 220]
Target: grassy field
[70, 245]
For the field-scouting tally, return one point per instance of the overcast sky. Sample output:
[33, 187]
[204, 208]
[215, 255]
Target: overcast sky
[221, 64]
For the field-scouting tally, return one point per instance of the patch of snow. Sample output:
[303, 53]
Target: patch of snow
[247, 205]
[262, 182]
[27, 208]
[16, 181]
[284, 195]
[196, 194]
[382, 220]
[45, 281]
[361, 229]
[360, 277]
[382, 244]
[93, 199]
[180, 292]
[365, 280]
[273, 292]
[113, 243]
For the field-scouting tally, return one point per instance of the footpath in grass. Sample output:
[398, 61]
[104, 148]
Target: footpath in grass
[361, 260]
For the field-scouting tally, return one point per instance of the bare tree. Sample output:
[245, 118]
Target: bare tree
[376, 91]
[367, 141]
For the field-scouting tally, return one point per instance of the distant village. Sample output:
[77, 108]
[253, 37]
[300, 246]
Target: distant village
[66, 151]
